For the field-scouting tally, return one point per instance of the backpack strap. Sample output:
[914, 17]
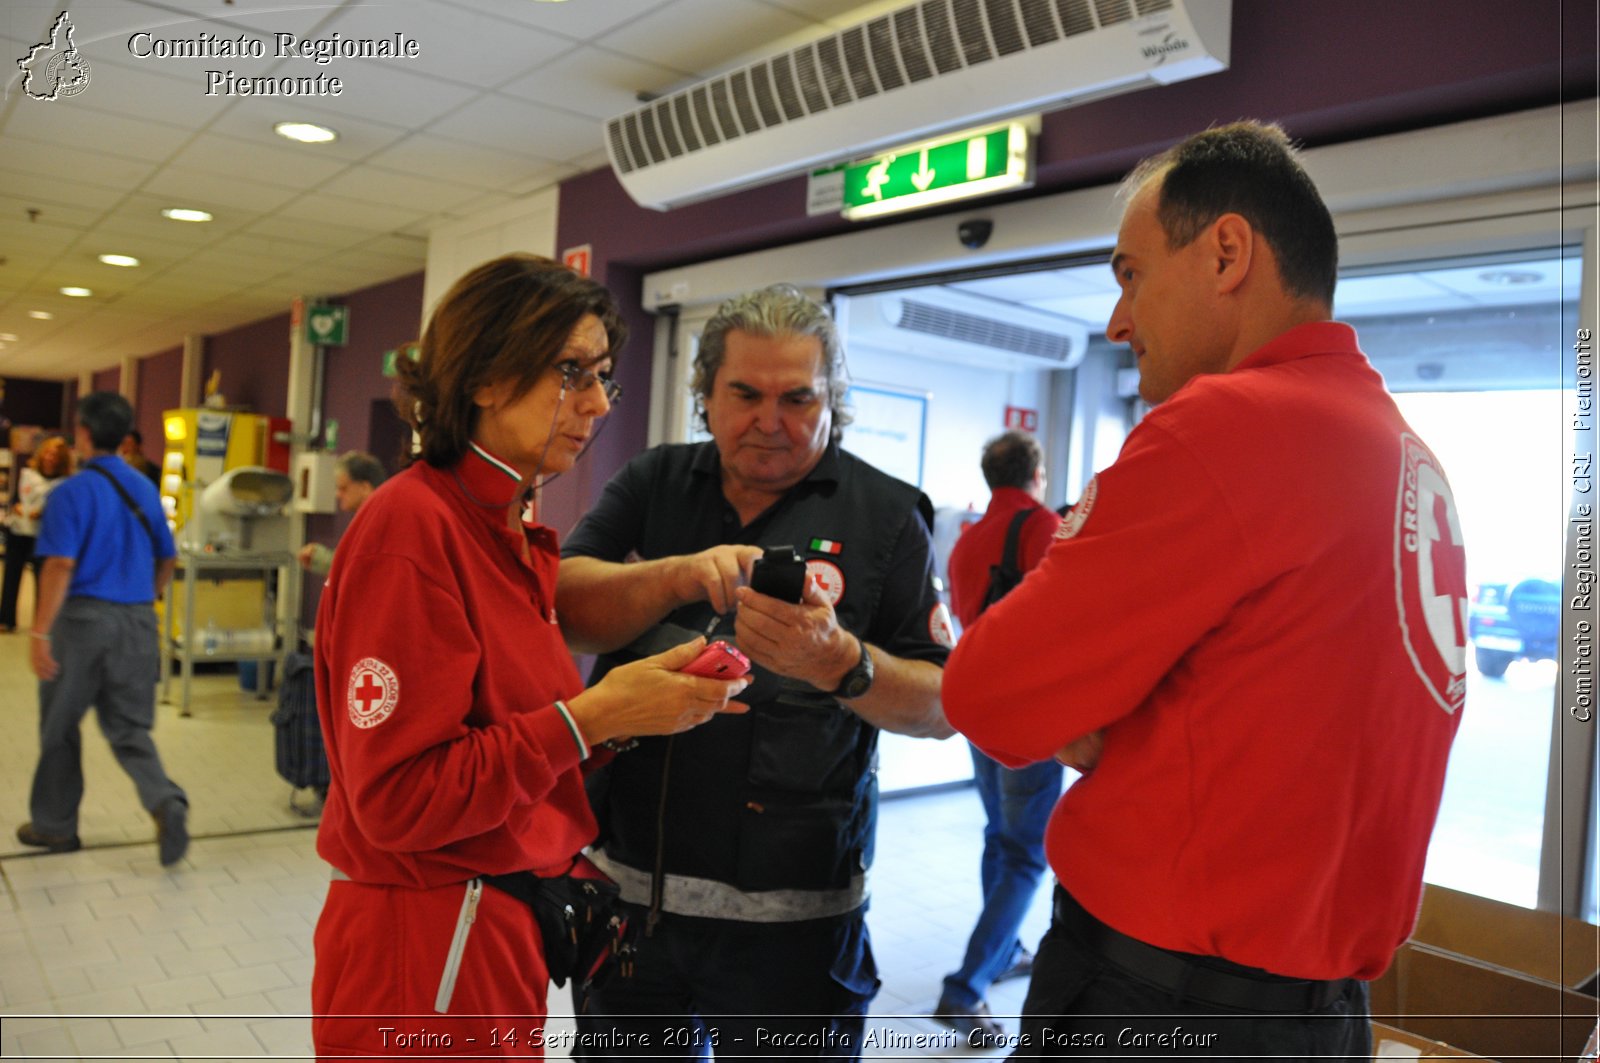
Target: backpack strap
[1007, 574]
[155, 546]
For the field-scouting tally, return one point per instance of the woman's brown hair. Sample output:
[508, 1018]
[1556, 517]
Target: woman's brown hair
[506, 320]
[36, 463]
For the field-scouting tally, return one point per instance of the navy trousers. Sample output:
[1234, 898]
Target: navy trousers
[716, 987]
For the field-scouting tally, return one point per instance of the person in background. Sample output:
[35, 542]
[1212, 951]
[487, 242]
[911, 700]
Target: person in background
[132, 451]
[1016, 802]
[108, 555]
[1250, 632]
[744, 846]
[355, 476]
[456, 725]
[50, 464]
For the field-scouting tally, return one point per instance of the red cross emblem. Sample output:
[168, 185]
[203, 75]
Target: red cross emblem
[1431, 573]
[1449, 565]
[372, 692]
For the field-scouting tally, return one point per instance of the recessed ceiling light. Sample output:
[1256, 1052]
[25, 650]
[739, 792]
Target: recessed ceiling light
[119, 260]
[42, 315]
[76, 292]
[185, 214]
[305, 132]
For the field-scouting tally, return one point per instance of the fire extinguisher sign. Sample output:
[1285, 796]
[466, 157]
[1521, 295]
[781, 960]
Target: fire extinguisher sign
[1022, 418]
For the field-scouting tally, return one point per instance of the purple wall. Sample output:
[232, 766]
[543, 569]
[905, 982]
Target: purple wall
[160, 388]
[382, 318]
[33, 402]
[107, 379]
[1327, 72]
[254, 362]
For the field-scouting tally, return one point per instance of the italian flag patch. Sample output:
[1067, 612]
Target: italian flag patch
[826, 546]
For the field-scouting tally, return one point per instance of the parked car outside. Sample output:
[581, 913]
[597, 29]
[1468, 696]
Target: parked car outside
[1512, 622]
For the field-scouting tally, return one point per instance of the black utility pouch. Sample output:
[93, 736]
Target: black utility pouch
[585, 933]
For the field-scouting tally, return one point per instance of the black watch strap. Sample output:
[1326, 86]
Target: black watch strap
[858, 680]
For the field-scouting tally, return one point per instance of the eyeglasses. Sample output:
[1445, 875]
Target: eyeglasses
[578, 378]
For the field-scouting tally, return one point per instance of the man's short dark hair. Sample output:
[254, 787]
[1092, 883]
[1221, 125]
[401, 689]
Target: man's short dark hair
[1250, 169]
[361, 467]
[107, 416]
[1010, 460]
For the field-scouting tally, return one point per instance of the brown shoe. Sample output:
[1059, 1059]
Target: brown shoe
[56, 843]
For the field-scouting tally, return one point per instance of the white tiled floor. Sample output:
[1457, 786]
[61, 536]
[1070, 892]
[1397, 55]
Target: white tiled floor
[105, 955]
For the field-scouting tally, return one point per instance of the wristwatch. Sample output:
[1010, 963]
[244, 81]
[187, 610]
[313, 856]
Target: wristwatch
[858, 680]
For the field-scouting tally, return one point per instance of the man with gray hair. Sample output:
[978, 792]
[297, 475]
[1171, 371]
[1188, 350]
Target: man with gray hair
[355, 476]
[743, 847]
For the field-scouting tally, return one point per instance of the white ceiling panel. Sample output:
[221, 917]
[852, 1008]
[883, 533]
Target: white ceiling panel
[264, 16]
[359, 138]
[75, 217]
[474, 166]
[47, 192]
[79, 127]
[592, 82]
[85, 164]
[315, 237]
[147, 93]
[453, 43]
[319, 208]
[742, 27]
[236, 195]
[380, 91]
[517, 125]
[281, 163]
[399, 190]
[163, 42]
[578, 22]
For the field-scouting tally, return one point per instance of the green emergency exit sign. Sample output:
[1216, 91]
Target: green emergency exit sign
[937, 171]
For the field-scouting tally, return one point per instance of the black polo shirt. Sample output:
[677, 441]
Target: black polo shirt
[780, 798]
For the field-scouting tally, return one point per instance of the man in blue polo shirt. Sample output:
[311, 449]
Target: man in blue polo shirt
[107, 556]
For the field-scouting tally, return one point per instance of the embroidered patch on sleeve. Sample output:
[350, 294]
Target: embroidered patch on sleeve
[372, 693]
[1078, 515]
[939, 627]
[1430, 575]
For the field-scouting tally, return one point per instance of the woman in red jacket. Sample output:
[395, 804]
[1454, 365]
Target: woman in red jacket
[456, 724]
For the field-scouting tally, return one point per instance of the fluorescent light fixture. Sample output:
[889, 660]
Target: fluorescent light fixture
[40, 315]
[305, 132]
[76, 292]
[119, 260]
[8, 337]
[185, 214]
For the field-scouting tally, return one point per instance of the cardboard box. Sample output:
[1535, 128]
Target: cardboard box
[1493, 980]
[1391, 1043]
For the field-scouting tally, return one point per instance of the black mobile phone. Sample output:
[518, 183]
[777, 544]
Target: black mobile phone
[779, 573]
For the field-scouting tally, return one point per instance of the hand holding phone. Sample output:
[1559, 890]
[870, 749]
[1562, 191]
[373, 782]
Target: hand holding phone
[718, 661]
[779, 573]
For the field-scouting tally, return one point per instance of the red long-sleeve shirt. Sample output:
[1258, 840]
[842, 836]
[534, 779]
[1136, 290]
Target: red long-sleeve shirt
[1262, 605]
[983, 544]
[438, 665]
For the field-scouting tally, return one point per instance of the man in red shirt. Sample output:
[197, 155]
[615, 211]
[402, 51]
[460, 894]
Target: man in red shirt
[985, 564]
[1251, 632]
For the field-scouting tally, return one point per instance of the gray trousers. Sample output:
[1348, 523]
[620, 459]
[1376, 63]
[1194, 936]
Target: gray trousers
[109, 660]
